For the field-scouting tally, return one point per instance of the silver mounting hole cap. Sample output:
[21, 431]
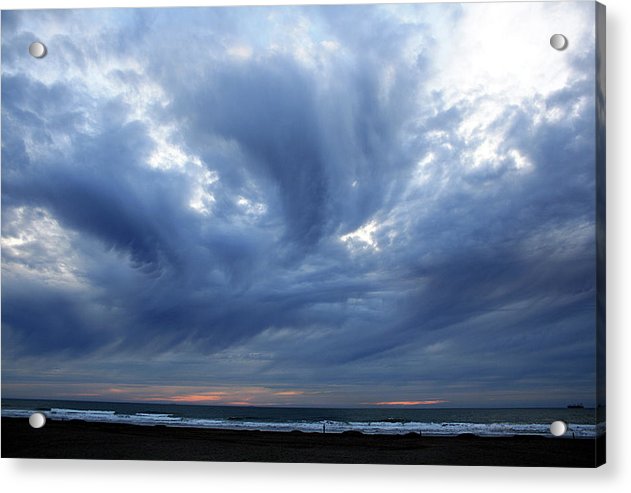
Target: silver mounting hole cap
[37, 420]
[37, 49]
[558, 42]
[558, 428]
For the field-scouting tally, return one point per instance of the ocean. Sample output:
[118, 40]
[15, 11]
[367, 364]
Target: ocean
[433, 422]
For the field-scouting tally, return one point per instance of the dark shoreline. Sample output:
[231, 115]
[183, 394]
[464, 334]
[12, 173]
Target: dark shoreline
[85, 440]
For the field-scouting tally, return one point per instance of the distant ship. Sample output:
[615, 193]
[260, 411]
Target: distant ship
[575, 406]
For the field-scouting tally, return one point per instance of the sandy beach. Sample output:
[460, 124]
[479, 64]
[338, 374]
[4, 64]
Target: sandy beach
[85, 440]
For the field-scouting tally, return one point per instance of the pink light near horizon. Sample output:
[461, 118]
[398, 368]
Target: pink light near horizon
[189, 398]
[409, 403]
[247, 396]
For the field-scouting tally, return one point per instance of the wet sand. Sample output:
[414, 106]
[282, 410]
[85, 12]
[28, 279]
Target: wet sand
[84, 440]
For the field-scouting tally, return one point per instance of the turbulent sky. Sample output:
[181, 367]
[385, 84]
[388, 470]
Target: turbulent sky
[339, 206]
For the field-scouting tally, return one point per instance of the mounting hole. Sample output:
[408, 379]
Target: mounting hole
[558, 42]
[558, 428]
[37, 420]
[37, 49]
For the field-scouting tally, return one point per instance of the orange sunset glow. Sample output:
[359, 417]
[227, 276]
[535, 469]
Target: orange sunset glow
[408, 403]
[240, 396]
[191, 398]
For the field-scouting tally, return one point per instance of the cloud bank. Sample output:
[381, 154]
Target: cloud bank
[300, 206]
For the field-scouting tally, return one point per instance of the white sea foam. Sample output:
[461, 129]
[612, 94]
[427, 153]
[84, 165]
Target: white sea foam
[374, 427]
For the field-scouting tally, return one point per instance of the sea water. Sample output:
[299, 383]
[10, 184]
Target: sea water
[433, 422]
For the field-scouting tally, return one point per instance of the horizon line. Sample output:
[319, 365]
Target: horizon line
[374, 406]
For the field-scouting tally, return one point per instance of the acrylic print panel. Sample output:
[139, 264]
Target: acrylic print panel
[365, 234]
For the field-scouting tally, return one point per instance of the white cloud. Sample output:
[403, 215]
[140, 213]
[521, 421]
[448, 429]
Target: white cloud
[202, 198]
[510, 58]
[37, 248]
[362, 237]
[251, 207]
[508, 63]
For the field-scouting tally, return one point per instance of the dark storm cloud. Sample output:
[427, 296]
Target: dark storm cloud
[304, 141]
[480, 275]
